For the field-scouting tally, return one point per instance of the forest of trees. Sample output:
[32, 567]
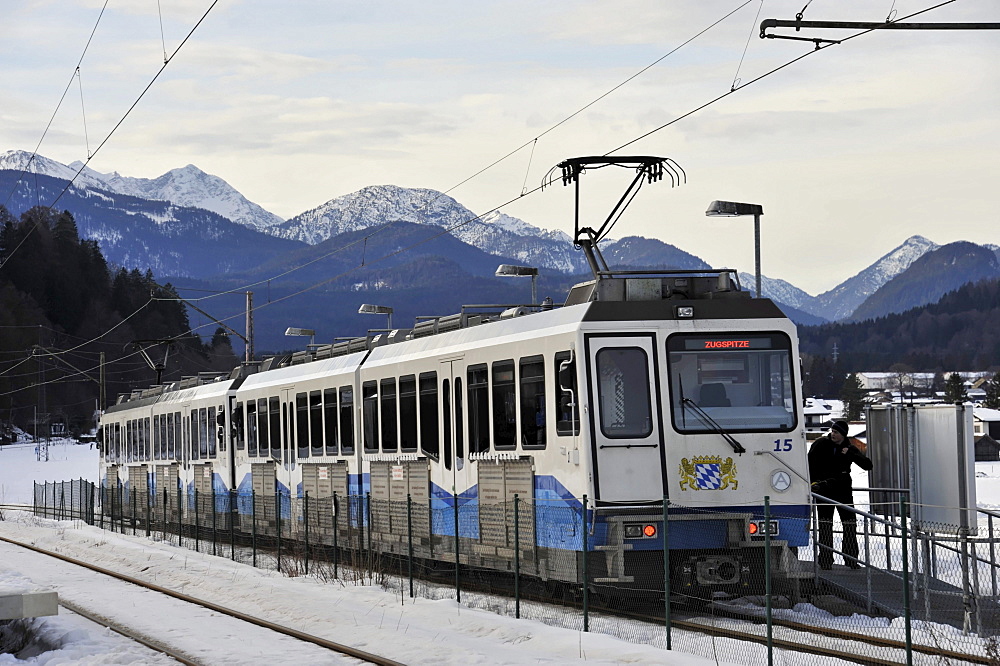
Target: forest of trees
[62, 306]
[959, 332]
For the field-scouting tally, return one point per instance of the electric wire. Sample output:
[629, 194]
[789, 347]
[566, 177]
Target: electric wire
[114, 129]
[534, 190]
[532, 142]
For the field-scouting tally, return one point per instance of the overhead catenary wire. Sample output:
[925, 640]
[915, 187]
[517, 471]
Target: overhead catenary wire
[83, 165]
[524, 193]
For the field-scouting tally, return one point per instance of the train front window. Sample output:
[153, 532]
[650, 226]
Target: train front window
[741, 381]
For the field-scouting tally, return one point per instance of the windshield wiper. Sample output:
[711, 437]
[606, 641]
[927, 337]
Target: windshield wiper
[708, 420]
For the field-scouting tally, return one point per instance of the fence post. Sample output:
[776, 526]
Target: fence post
[253, 530]
[368, 515]
[197, 523]
[277, 522]
[215, 523]
[336, 521]
[180, 513]
[409, 540]
[517, 559]
[149, 510]
[131, 496]
[458, 579]
[166, 499]
[234, 513]
[666, 568]
[767, 579]
[906, 582]
[586, 596]
[305, 517]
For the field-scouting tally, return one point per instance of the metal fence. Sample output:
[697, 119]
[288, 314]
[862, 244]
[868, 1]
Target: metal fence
[914, 594]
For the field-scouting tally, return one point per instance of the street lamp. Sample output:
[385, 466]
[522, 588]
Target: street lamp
[510, 270]
[734, 209]
[367, 308]
[293, 331]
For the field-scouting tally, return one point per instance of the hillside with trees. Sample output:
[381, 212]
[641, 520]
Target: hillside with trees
[62, 306]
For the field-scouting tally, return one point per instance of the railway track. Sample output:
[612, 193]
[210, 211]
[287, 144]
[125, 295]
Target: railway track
[790, 635]
[165, 648]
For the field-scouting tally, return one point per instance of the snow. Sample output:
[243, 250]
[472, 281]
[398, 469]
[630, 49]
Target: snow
[375, 617]
[365, 616]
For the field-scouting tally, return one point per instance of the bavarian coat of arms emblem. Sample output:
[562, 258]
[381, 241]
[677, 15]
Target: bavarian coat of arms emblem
[708, 473]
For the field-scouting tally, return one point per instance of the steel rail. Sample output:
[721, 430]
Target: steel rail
[294, 633]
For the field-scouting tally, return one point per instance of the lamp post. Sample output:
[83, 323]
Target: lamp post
[293, 331]
[368, 308]
[734, 209]
[510, 270]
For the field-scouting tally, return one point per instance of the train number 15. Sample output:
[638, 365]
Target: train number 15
[782, 445]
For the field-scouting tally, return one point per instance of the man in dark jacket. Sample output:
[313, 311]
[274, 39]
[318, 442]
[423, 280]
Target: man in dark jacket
[830, 460]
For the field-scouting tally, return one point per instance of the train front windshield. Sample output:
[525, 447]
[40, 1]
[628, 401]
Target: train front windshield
[741, 381]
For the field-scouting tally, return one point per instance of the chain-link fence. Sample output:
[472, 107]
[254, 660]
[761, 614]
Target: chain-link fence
[739, 584]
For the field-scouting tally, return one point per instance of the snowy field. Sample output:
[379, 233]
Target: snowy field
[366, 616]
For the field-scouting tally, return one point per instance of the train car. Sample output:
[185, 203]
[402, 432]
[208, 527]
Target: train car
[168, 443]
[644, 393]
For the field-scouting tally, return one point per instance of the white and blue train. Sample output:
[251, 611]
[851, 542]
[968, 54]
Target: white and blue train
[642, 387]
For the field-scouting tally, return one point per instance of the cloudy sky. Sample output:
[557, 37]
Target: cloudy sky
[850, 150]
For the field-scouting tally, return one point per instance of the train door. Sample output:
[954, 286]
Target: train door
[625, 418]
[453, 427]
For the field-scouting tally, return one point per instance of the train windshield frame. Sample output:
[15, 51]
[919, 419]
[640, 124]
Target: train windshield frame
[743, 381]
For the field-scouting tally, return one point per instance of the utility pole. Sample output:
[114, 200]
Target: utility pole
[249, 327]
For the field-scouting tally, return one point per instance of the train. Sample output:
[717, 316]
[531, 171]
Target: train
[645, 394]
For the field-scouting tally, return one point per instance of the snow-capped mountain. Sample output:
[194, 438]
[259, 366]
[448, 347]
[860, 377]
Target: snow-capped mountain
[188, 187]
[377, 205]
[841, 301]
[778, 290]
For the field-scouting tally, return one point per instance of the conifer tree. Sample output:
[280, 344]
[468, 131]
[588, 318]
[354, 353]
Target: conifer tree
[954, 388]
[993, 392]
[853, 394]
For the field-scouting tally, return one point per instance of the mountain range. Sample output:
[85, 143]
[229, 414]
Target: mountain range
[194, 228]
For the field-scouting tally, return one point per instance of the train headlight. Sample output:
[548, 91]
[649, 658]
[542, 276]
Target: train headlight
[684, 312]
[640, 531]
[755, 528]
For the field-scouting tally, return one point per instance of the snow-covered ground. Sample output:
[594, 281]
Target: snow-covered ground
[370, 617]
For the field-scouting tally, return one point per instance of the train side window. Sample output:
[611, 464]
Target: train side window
[316, 423]
[330, 420]
[532, 373]
[623, 392]
[204, 433]
[193, 430]
[161, 447]
[346, 420]
[168, 436]
[274, 426]
[429, 434]
[479, 409]
[446, 399]
[504, 405]
[302, 424]
[175, 448]
[220, 426]
[408, 413]
[147, 440]
[251, 419]
[156, 437]
[567, 407]
[369, 416]
[387, 390]
[211, 433]
[263, 430]
[459, 425]
[239, 434]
